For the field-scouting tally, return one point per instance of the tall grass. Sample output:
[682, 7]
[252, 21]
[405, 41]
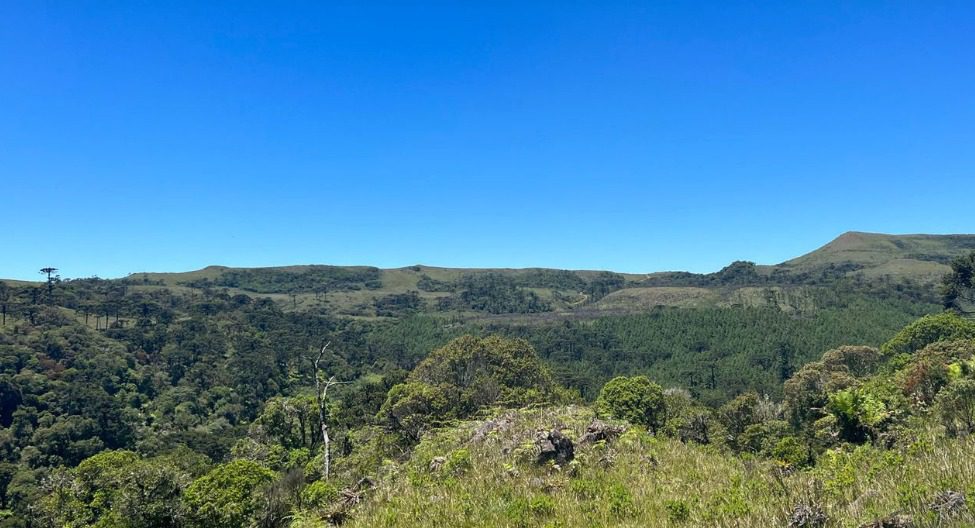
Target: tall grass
[640, 480]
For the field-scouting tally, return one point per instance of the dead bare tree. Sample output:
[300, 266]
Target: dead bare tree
[321, 398]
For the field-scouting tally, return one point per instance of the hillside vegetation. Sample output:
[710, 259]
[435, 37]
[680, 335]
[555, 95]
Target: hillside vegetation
[641, 480]
[919, 256]
[863, 262]
[142, 403]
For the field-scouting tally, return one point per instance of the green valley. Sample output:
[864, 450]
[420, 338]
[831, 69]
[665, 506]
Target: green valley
[803, 393]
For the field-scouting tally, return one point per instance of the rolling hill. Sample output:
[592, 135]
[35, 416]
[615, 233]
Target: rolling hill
[124, 378]
[861, 261]
[906, 266]
[919, 257]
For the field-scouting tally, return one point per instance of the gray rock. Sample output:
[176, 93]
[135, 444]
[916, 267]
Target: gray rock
[948, 504]
[554, 446]
[895, 520]
[807, 516]
[436, 463]
[598, 430]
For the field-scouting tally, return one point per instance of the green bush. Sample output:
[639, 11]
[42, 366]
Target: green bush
[487, 371]
[921, 380]
[117, 489]
[586, 488]
[415, 407]
[738, 415]
[621, 501]
[459, 461]
[956, 407]
[807, 392]
[464, 376]
[524, 511]
[319, 494]
[678, 511]
[227, 496]
[762, 438]
[791, 452]
[859, 413]
[859, 361]
[636, 400]
[930, 329]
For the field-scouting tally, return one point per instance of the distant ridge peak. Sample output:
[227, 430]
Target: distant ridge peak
[920, 256]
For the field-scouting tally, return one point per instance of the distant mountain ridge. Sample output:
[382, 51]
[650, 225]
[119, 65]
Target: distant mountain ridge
[855, 263]
[918, 256]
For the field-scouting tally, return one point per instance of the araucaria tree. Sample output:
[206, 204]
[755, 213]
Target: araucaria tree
[50, 277]
[4, 299]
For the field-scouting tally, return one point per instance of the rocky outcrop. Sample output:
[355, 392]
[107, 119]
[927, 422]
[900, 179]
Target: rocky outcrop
[436, 463]
[599, 431]
[499, 425]
[948, 504]
[554, 446]
[807, 516]
[895, 520]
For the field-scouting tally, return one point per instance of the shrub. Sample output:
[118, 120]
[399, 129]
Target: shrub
[930, 329]
[459, 461]
[858, 412]
[585, 488]
[413, 408]
[487, 371]
[807, 391]
[738, 415]
[677, 510]
[697, 426]
[117, 489]
[523, 511]
[791, 452]
[621, 501]
[319, 494]
[857, 360]
[636, 400]
[956, 407]
[923, 379]
[462, 377]
[762, 438]
[226, 497]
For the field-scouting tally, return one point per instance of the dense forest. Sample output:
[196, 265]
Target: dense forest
[139, 403]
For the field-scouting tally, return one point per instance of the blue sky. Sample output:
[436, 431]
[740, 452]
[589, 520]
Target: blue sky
[626, 136]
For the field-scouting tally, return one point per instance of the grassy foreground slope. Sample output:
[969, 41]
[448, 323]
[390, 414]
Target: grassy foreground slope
[865, 438]
[640, 480]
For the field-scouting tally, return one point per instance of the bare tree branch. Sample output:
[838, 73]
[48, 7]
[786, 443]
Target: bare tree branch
[321, 398]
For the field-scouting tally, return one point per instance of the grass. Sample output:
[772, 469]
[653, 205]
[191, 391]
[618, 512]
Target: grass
[639, 480]
[916, 256]
[646, 298]
[923, 271]
[919, 257]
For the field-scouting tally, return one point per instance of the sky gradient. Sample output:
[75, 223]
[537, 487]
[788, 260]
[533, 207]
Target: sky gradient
[592, 135]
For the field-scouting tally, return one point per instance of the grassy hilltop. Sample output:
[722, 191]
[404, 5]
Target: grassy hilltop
[923, 258]
[856, 261]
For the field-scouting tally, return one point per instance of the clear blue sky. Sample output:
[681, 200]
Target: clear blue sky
[670, 135]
